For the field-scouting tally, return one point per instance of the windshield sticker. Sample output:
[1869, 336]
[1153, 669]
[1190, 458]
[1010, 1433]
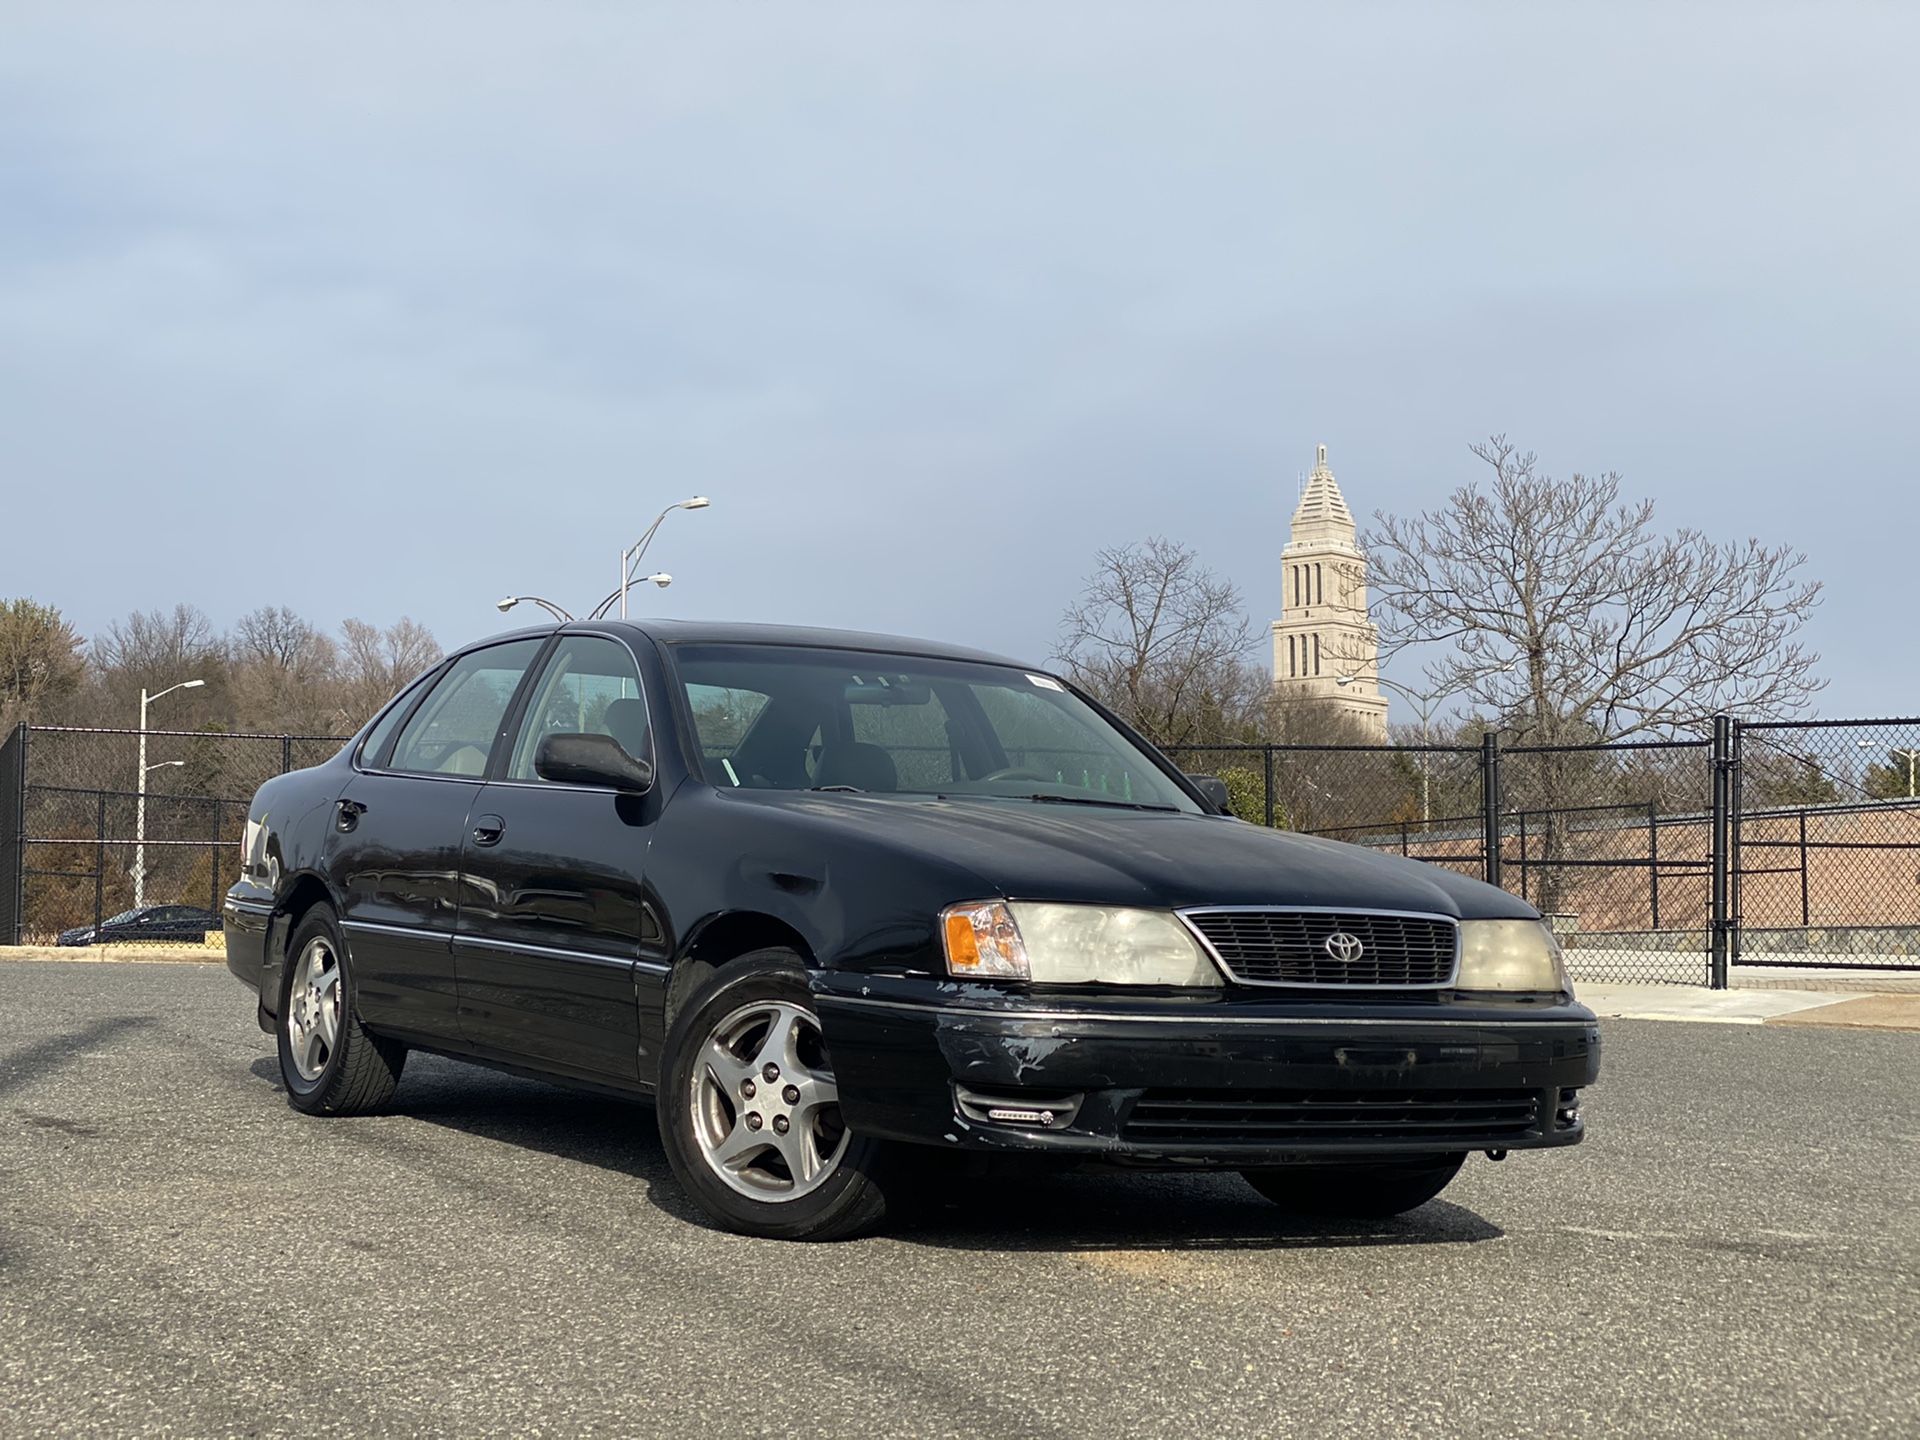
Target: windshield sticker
[1046, 682]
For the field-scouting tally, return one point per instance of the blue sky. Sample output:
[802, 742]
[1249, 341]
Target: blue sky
[383, 310]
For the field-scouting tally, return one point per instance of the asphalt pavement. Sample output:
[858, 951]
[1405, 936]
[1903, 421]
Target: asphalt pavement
[1736, 1249]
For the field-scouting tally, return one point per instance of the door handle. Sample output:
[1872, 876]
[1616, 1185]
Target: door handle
[487, 829]
[346, 814]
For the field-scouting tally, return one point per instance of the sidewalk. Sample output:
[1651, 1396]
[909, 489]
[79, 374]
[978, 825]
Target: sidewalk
[1748, 1005]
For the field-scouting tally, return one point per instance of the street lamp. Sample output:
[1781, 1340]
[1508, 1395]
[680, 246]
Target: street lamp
[1910, 756]
[630, 558]
[1424, 706]
[507, 602]
[140, 795]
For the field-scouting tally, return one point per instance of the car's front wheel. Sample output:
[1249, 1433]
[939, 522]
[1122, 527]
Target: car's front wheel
[750, 1109]
[330, 1063]
[1362, 1191]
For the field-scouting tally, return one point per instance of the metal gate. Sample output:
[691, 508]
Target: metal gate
[1826, 844]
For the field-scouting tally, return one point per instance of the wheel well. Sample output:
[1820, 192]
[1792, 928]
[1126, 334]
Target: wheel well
[728, 937]
[307, 892]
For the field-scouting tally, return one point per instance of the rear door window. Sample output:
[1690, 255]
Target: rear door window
[453, 731]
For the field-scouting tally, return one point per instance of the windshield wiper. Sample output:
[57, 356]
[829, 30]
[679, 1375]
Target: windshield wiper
[1096, 800]
[836, 789]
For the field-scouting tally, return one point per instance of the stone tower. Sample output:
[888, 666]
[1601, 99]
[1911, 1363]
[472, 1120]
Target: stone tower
[1323, 632]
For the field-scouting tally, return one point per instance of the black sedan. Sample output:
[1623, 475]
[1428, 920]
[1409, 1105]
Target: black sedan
[147, 925]
[836, 901]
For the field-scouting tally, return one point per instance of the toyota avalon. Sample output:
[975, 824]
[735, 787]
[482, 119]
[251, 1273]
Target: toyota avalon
[833, 901]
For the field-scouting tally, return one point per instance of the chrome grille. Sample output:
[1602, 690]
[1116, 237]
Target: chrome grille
[1315, 947]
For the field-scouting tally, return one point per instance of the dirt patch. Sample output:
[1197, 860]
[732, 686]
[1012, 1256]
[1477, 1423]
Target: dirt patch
[1869, 1012]
[1162, 1266]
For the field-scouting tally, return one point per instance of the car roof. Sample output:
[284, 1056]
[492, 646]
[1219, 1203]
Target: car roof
[734, 632]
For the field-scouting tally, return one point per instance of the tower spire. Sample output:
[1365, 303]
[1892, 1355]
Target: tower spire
[1325, 648]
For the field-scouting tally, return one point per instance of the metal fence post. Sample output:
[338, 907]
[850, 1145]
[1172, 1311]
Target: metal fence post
[1490, 803]
[1736, 838]
[1806, 907]
[1720, 920]
[13, 835]
[99, 863]
[286, 753]
[1269, 785]
[213, 861]
[1653, 861]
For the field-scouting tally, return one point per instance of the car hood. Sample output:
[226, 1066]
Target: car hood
[1114, 856]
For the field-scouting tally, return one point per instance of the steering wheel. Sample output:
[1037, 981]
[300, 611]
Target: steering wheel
[1017, 772]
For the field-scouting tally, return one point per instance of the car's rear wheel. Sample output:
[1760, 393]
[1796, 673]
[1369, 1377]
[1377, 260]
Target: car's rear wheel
[330, 1063]
[750, 1109]
[1362, 1191]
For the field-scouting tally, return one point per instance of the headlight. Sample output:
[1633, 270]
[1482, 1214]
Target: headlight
[1510, 955]
[1072, 945]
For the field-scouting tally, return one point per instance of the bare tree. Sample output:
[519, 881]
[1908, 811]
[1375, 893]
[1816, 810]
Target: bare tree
[1161, 641]
[275, 636]
[1573, 619]
[284, 674]
[374, 663]
[149, 644]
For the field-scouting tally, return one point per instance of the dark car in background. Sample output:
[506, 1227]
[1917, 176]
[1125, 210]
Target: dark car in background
[148, 924]
[834, 901]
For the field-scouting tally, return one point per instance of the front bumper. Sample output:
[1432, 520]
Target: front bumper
[1221, 1080]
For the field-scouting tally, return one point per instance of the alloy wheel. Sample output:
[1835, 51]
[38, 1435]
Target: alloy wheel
[766, 1110]
[313, 1008]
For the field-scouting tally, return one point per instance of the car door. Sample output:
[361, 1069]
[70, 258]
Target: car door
[394, 849]
[555, 912]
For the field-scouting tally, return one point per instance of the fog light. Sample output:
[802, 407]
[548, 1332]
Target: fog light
[1031, 1110]
[1006, 1115]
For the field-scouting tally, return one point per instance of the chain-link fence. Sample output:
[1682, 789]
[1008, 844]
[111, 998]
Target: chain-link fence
[1794, 844]
[1828, 844]
[93, 853]
[1609, 841]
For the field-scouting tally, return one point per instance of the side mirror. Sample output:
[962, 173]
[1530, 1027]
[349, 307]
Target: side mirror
[591, 760]
[1213, 790]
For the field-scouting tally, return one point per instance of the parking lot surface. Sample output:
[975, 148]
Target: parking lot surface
[1736, 1248]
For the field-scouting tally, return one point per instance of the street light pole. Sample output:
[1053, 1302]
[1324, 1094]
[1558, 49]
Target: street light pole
[140, 792]
[507, 602]
[631, 556]
[1910, 756]
[1424, 706]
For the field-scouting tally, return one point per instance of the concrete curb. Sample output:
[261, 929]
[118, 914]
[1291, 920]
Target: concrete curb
[99, 954]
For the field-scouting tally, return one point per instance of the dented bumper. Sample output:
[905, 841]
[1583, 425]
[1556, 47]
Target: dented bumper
[1218, 1080]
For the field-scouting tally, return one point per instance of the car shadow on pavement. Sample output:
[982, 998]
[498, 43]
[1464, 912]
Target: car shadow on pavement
[1090, 1210]
[41, 1057]
[600, 1130]
[949, 1207]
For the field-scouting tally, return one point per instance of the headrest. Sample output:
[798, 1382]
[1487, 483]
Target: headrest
[864, 767]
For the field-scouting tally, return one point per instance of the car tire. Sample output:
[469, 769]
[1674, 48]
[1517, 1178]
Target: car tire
[749, 1113]
[330, 1063]
[1360, 1191]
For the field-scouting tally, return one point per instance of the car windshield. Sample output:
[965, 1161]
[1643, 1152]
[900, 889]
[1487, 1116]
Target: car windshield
[792, 718]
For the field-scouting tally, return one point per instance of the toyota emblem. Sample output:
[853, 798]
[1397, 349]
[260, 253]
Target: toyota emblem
[1344, 947]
